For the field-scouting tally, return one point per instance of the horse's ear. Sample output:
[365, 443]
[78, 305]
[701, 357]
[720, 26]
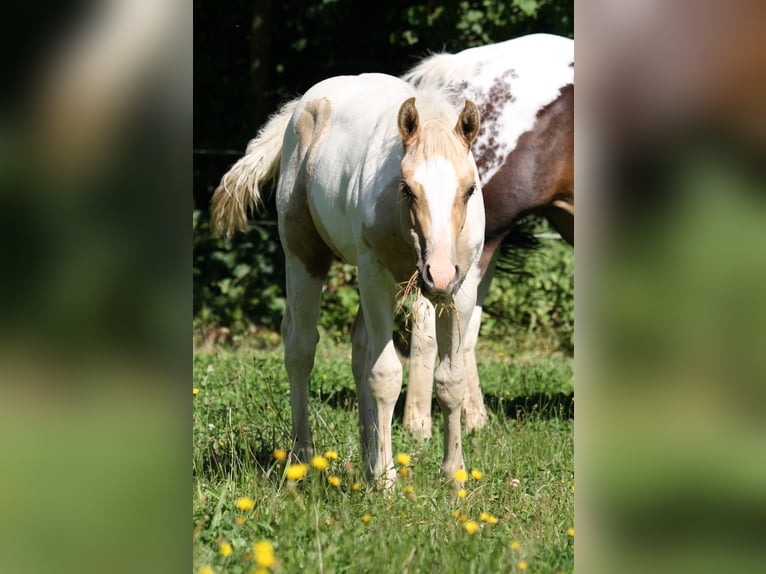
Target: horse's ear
[409, 121]
[468, 123]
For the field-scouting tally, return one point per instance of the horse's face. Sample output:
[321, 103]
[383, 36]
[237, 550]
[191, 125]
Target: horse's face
[439, 181]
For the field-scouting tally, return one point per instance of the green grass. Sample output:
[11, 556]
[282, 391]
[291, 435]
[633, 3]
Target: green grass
[242, 412]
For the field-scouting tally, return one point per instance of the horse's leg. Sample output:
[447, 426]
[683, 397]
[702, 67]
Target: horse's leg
[379, 389]
[300, 337]
[474, 412]
[417, 407]
[360, 357]
[450, 377]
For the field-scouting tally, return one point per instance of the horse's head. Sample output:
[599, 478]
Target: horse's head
[439, 181]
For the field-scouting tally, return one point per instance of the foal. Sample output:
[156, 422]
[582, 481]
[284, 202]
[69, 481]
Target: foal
[379, 174]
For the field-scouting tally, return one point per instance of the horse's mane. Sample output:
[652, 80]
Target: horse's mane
[437, 71]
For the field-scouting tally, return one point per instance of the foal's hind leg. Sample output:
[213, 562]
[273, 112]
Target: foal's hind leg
[300, 337]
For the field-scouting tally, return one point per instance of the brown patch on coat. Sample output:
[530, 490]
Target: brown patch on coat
[537, 176]
[299, 230]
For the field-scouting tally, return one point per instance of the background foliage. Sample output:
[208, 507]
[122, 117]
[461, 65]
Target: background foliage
[252, 55]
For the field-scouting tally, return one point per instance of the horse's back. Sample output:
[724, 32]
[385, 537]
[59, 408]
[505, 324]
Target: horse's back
[339, 126]
[510, 81]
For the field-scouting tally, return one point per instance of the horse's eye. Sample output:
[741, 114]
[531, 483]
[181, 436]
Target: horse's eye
[405, 189]
[470, 191]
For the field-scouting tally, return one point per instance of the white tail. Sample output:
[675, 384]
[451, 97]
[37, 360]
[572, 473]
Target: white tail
[239, 190]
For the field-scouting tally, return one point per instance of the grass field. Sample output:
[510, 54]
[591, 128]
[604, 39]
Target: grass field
[518, 516]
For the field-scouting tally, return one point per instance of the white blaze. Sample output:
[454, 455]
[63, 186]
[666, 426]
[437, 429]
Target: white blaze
[439, 181]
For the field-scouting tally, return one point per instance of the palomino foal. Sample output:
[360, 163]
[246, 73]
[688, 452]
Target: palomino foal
[381, 175]
[525, 155]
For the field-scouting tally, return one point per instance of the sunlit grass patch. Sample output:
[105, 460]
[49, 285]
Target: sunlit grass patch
[517, 481]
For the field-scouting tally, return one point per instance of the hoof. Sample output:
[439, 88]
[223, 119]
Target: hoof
[418, 426]
[475, 418]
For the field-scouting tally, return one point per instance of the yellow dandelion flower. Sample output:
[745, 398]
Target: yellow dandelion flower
[366, 518]
[331, 454]
[522, 564]
[259, 570]
[356, 486]
[462, 493]
[408, 489]
[571, 532]
[461, 475]
[515, 546]
[225, 548]
[488, 518]
[454, 514]
[280, 454]
[476, 474]
[239, 521]
[333, 480]
[296, 471]
[221, 443]
[572, 489]
[471, 526]
[263, 551]
[403, 458]
[319, 462]
[206, 570]
[245, 503]
[195, 392]
[462, 517]
[404, 471]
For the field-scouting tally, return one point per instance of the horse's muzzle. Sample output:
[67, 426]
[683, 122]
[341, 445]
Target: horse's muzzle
[438, 286]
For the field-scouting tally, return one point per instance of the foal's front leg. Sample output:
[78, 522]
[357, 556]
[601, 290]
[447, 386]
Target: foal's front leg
[379, 378]
[451, 375]
[420, 382]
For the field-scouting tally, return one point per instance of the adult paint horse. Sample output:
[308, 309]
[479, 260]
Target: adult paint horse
[381, 175]
[525, 155]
